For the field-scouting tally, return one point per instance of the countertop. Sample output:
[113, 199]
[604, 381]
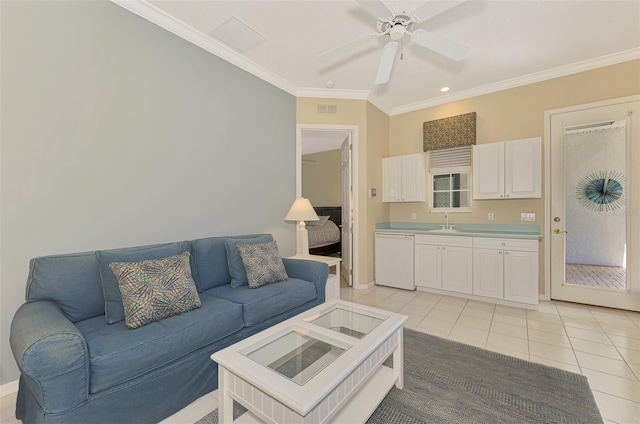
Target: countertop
[522, 231]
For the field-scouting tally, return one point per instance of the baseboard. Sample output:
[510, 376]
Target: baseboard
[9, 388]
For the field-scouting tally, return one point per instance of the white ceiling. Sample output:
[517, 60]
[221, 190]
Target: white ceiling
[512, 43]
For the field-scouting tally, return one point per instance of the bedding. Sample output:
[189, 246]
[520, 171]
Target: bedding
[323, 235]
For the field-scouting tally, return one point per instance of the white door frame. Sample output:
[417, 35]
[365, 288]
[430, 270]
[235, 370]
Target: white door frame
[353, 130]
[547, 177]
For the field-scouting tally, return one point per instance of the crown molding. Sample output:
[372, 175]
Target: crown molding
[182, 30]
[329, 93]
[560, 71]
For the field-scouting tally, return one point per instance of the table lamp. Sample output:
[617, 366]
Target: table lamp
[301, 211]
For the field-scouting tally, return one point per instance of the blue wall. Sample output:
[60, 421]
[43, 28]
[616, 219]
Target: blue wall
[116, 133]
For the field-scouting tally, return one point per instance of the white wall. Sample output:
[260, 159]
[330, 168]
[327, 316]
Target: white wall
[117, 133]
[593, 237]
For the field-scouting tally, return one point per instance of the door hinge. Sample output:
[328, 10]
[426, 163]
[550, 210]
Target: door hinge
[350, 272]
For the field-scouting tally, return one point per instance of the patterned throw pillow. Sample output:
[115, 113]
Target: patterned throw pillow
[155, 289]
[263, 263]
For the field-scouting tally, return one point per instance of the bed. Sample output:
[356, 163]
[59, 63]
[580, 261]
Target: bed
[325, 234]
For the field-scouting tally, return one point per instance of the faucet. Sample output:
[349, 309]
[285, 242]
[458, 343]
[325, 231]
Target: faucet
[446, 225]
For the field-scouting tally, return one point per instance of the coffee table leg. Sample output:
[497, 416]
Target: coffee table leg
[225, 402]
[398, 358]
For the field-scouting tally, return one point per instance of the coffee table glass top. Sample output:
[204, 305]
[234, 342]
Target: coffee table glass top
[348, 320]
[298, 354]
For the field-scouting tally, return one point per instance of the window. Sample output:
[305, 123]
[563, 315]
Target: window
[451, 189]
[450, 172]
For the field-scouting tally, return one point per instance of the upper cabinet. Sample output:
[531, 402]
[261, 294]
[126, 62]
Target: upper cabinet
[508, 170]
[403, 178]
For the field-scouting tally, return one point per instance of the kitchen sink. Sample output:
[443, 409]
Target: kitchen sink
[444, 230]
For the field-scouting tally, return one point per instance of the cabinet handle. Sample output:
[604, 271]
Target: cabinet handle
[503, 244]
[444, 248]
[438, 247]
[501, 195]
[499, 252]
[506, 253]
[508, 195]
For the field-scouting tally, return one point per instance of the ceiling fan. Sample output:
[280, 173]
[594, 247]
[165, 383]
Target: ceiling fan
[396, 26]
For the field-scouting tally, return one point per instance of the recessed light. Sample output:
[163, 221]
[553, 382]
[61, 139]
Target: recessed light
[444, 89]
[330, 84]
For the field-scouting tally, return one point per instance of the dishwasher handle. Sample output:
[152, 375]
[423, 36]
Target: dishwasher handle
[395, 236]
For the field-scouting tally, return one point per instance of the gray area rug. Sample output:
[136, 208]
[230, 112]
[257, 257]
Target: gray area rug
[450, 382]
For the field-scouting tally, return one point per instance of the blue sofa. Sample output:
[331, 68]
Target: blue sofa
[77, 368]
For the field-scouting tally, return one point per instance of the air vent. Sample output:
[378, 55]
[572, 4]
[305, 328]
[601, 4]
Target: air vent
[238, 35]
[328, 109]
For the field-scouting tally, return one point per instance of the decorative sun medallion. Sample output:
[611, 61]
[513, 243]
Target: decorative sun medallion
[602, 191]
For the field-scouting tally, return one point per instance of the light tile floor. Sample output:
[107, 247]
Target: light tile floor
[602, 344]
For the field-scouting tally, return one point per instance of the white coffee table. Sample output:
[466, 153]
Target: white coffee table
[324, 365]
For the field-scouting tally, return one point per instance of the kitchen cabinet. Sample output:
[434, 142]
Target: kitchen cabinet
[443, 262]
[508, 170]
[403, 178]
[506, 269]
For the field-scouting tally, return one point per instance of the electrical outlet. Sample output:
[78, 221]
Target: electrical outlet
[527, 216]
[490, 216]
[414, 216]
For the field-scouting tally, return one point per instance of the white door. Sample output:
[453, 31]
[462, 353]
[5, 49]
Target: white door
[522, 168]
[428, 265]
[591, 200]
[457, 264]
[347, 213]
[392, 179]
[488, 171]
[521, 276]
[488, 273]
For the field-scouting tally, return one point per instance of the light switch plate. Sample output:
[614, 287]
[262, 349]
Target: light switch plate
[527, 216]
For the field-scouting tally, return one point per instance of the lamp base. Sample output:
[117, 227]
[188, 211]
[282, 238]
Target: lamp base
[302, 240]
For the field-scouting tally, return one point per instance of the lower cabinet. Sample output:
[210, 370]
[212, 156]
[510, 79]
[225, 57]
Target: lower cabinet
[444, 263]
[506, 269]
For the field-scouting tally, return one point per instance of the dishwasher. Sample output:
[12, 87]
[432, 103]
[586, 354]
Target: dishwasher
[394, 259]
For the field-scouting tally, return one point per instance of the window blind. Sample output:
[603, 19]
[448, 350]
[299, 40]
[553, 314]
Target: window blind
[448, 158]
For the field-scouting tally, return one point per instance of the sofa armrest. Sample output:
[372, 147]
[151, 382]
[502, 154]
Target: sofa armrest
[316, 272]
[52, 356]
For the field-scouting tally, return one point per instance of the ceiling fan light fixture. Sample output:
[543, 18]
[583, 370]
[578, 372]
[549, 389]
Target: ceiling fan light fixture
[397, 32]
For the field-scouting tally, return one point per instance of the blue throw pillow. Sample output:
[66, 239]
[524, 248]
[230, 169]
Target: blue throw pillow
[236, 267]
[113, 306]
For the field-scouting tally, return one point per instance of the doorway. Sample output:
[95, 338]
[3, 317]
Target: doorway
[592, 238]
[315, 144]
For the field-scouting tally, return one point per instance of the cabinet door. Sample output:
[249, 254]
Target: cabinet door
[488, 171]
[488, 273]
[413, 178]
[523, 168]
[392, 179]
[427, 266]
[521, 276]
[457, 265]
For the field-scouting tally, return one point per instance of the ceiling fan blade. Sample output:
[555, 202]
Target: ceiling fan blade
[386, 62]
[439, 44]
[377, 8]
[433, 8]
[329, 54]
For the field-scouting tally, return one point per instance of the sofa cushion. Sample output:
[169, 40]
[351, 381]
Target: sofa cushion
[114, 309]
[236, 267]
[270, 300]
[263, 263]
[211, 264]
[118, 354]
[156, 289]
[71, 281]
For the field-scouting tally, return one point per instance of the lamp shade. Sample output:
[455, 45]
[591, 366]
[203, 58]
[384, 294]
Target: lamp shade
[301, 210]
